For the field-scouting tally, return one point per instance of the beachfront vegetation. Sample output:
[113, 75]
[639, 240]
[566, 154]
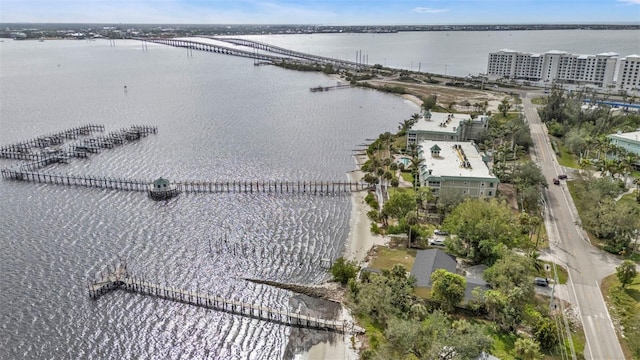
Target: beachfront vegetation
[344, 270]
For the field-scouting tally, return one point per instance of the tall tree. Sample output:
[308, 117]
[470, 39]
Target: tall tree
[447, 288]
[482, 228]
[626, 272]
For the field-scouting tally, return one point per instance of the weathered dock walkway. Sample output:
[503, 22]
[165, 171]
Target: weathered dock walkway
[327, 88]
[119, 278]
[33, 149]
[49, 149]
[140, 185]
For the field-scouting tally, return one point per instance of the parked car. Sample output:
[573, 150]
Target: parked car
[440, 232]
[436, 242]
[541, 281]
[562, 176]
[556, 181]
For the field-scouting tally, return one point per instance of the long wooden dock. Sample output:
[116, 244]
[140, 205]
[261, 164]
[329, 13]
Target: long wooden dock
[38, 158]
[119, 278]
[236, 186]
[49, 149]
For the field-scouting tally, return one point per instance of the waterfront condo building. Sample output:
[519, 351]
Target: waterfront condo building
[552, 66]
[447, 127]
[629, 73]
[457, 167]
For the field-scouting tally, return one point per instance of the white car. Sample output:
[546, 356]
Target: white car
[436, 242]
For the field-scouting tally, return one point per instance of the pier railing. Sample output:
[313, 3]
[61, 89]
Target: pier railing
[38, 158]
[195, 187]
[119, 278]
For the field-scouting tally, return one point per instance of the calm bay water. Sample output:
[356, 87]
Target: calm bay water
[219, 118]
[456, 53]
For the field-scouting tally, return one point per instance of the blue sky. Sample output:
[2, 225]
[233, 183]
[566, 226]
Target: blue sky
[322, 12]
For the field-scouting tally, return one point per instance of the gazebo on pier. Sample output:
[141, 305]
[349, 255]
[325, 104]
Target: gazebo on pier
[162, 189]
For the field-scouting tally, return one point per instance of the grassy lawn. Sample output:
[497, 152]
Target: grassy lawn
[503, 343]
[398, 190]
[540, 100]
[624, 308]
[400, 142]
[407, 176]
[385, 258]
[630, 199]
[566, 159]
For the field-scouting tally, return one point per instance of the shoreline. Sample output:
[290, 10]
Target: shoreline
[359, 242]
[360, 239]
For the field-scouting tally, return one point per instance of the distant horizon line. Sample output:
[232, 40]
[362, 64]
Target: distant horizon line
[331, 25]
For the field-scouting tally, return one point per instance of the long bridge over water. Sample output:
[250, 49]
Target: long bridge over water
[284, 55]
[119, 278]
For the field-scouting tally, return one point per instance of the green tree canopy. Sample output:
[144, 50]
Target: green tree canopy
[437, 337]
[447, 288]
[344, 270]
[626, 272]
[400, 204]
[482, 228]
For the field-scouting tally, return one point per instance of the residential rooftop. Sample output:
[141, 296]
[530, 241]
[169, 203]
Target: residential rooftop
[440, 122]
[449, 162]
[630, 136]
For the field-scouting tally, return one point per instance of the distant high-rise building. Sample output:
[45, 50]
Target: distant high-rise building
[554, 65]
[629, 73]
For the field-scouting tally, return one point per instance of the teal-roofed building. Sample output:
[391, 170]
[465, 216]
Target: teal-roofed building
[455, 166]
[446, 127]
[629, 141]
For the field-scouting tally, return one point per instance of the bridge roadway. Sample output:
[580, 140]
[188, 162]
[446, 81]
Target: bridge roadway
[289, 55]
[288, 52]
[119, 278]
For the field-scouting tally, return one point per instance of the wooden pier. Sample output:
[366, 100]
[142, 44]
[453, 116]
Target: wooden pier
[201, 187]
[48, 149]
[25, 150]
[119, 278]
[32, 169]
[273, 187]
[327, 88]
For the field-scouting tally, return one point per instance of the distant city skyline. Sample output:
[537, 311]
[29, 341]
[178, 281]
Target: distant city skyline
[322, 12]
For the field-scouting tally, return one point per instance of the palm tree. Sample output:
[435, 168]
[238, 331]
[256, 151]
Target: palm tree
[415, 117]
[424, 196]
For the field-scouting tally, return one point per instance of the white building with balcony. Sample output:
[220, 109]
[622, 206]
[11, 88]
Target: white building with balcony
[455, 166]
[629, 73]
[554, 65]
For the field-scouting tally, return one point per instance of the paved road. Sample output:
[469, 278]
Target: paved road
[569, 245]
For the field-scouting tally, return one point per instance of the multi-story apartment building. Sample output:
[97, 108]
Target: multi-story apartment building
[457, 167]
[629, 73]
[554, 65]
[447, 127]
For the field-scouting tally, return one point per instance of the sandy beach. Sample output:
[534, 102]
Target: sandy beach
[359, 242]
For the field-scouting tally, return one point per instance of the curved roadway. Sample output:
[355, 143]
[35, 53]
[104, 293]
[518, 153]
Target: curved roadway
[569, 245]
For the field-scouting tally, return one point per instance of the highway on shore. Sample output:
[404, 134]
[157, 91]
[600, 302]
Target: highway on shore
[569, 245]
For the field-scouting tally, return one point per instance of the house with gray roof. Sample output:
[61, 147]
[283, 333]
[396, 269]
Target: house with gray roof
[428, 261]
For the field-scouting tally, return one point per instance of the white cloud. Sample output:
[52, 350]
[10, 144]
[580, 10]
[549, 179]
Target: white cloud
[426, 10]
[630, 2]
